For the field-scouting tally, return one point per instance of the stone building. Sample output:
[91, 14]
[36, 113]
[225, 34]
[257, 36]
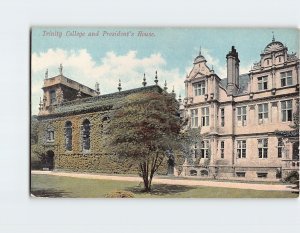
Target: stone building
[70, 129]
[242, 116]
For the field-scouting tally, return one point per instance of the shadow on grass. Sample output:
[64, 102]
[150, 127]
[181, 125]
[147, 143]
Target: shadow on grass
[48, 193]
[161, 189]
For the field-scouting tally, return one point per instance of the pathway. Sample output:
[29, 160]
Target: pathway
[170, 181]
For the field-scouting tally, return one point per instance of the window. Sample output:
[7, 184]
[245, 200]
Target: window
[262, 83]
[199, 88]
[262, 174]
[222, 148]
[279, 59]
[86, 127]
[205, 116]
[241, 149]
[286, 78]
[50, 135]
[240, 174]
[222, 117]
[194, 118]
[263, 148]
[204, 149]
[286, 110]
[242, 116]
[263, 113]
[52, 97]
[68, 136]
[280, 147]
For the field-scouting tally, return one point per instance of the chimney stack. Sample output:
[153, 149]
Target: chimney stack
[232, 71]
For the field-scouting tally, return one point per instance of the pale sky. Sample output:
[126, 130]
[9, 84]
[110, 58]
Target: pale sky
[107, 57]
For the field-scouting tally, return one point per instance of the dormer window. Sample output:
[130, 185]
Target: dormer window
[262, 83]
[199, 88]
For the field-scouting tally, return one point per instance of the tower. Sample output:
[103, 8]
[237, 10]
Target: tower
[233, 64]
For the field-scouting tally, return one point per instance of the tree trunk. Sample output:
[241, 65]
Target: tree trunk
[148, 169]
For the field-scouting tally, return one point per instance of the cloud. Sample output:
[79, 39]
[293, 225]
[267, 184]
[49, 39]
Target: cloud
[80, 66]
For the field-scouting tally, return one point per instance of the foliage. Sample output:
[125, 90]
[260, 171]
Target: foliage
[293, 178]
[144, 126]
[120, 194]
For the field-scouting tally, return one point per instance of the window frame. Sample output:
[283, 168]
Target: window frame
[205, 116]
[242, 116]
[241, 149]
[262, 83]
[288, 80]
[204, 149]
[263, 112]
[262, 148]
[222, 149]
[68, 136]
[222, 114]
[199, 88]
[287, 111]
[194, 118]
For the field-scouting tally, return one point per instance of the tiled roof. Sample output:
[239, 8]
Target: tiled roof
[244, 82]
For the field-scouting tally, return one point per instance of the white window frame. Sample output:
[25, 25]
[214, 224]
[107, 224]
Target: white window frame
[241, 151]
[194, 118]
[286, 79]
[222, 149]
[205, 116]
[204, 149]
[280, 146]
[222, 114]
[199, 88]
[241, 114]
[262, 145]
[52, 94]
[286, 110]
[262, 83]
[263, 113]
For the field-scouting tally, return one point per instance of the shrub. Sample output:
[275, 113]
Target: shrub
[120, 194]
[293, 178]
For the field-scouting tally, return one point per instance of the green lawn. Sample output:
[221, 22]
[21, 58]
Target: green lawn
[55, 186]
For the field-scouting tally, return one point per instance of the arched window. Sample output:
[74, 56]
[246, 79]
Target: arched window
[85, 130]
[68, 135]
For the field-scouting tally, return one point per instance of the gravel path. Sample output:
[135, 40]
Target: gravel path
[208, 183]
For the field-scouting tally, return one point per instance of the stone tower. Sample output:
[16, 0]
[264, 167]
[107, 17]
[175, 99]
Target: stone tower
[232, 71]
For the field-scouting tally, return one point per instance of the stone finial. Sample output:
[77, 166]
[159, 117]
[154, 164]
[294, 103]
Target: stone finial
[79, 94]
[40, 104]
[60, 69]
[165, 87]
[200, 51]
[173, 91]
[46, 74]
[144, 80]
[187, 76]
[156, 79]
[273, 38]
[97, 88]
[119, 86]
[179, 98]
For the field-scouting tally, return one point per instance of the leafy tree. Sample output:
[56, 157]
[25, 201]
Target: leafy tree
[145, 127]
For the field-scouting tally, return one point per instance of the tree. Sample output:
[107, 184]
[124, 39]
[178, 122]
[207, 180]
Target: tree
[145, 127]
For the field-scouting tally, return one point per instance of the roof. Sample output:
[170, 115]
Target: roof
[244, 82]
[95, 103]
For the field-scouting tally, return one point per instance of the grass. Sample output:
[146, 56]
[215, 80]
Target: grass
[58, 186]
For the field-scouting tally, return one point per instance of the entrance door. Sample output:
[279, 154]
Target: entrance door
[49, 161]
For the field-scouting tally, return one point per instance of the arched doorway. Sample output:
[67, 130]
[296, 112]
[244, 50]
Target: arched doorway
[49, 161]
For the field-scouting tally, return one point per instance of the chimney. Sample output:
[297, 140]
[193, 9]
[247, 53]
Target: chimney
[232, 71]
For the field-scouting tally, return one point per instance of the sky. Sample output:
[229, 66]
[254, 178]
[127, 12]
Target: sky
[107, 54]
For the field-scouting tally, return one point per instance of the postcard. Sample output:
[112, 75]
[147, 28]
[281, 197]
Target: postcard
[164, 112]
